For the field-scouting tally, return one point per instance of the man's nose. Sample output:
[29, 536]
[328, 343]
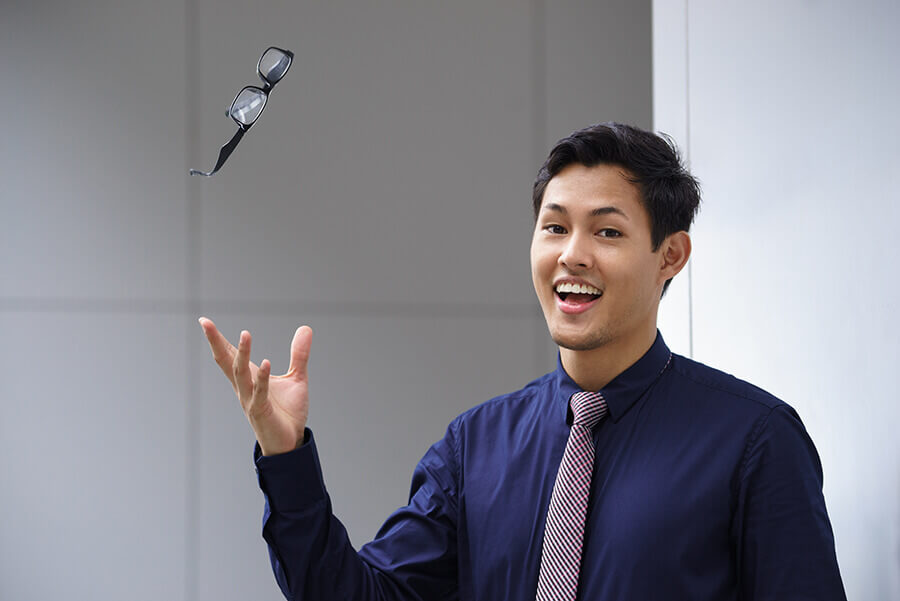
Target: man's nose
[577, 253]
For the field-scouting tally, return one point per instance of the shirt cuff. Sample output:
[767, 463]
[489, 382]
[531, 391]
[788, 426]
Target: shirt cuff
[291, 481]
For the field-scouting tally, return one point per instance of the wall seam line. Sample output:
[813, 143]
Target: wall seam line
[687, 143]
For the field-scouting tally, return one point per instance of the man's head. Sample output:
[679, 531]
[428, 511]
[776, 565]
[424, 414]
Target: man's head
[669, 193]
[612, 208]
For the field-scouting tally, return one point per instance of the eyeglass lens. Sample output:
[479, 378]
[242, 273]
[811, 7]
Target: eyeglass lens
[273, 65]
[248, 105]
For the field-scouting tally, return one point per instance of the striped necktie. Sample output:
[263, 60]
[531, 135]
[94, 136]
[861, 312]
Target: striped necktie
[564, 532]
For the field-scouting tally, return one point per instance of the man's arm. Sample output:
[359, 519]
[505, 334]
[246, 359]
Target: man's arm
[412, 558]
[785, 545]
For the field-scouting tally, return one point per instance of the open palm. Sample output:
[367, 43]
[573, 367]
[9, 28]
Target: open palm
[277, 407]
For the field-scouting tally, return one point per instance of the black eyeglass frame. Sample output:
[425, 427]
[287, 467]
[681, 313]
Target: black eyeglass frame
[268, 85]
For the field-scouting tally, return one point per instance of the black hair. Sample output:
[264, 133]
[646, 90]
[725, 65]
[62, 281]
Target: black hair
[669, 193]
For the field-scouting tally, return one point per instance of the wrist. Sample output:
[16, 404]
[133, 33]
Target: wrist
[268, 448]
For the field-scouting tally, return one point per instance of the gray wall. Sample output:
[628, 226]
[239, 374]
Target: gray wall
[383, 198]
[788, 112]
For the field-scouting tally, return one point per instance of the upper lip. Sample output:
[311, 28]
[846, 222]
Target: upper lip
[574, 280]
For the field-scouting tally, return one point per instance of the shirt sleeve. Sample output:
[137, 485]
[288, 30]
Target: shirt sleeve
[412, 558]
[785, 544]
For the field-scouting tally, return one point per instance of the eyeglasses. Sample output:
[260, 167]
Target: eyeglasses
[250, 102]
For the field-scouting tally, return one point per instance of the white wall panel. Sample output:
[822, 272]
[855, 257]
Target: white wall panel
[793, 125]
[670, 70]
[670, 116]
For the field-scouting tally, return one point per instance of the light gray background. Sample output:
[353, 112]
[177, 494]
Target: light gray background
[384, 198]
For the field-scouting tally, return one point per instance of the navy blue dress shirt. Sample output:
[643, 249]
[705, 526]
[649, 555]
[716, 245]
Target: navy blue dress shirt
[705, 488]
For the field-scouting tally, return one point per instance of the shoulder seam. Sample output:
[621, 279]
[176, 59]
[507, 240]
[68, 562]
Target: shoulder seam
[778, 402]
[456, 461]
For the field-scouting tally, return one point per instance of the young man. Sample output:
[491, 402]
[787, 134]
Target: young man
[627, 473]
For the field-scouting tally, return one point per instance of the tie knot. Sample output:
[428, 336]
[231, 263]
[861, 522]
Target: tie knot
[588, 408]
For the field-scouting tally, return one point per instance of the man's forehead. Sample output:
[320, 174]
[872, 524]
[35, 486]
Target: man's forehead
[600, 210]
[604, 189]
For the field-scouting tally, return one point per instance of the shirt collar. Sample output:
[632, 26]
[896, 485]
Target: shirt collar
[626, 388]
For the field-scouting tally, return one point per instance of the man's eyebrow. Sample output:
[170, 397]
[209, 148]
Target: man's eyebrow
[552, 206]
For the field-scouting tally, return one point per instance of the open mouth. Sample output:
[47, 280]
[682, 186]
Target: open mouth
[575, 298]
[577, 293]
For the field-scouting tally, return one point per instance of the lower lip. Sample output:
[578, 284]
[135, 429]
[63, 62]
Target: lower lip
[574, 308]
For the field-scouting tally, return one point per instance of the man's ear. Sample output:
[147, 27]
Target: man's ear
[675, 251]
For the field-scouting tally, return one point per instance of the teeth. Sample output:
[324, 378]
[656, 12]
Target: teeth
[577, 288]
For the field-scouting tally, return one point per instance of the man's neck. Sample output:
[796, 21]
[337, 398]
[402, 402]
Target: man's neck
[594, 369]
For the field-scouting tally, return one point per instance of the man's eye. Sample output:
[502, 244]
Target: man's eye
[609, 233]
[555, 229]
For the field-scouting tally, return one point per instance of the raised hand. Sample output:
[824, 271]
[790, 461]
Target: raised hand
[276, 406]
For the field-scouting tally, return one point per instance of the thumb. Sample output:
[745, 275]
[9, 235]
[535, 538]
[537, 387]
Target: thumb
[300, 352]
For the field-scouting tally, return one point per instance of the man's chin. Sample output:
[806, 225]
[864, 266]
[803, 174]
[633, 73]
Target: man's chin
[580, 341]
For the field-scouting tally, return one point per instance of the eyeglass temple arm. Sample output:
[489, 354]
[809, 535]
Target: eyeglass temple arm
[224, 153]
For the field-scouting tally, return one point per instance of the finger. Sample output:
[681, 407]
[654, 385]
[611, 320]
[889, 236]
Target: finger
[259, 404]
[243, 380]
[300, 346]
[222, 350]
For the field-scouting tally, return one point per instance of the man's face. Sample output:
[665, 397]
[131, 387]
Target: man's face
[594, 272]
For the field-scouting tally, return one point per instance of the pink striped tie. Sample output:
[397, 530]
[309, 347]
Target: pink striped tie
[563, 535]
